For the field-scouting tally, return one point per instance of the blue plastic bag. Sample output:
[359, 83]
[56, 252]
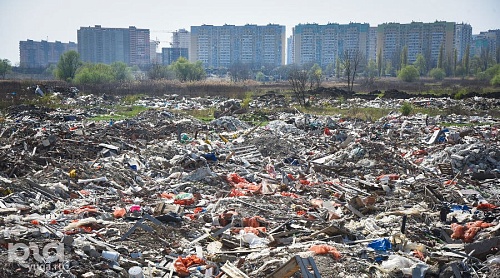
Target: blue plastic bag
[382, 244]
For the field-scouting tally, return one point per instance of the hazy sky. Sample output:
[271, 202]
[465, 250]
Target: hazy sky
[60, 19]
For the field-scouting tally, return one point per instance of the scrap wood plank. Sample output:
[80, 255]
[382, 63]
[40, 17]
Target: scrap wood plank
[216, 234]
[331, 230]
[354, 210]
[248, 152]
[445, 168]
[232, 271]
[295, 264]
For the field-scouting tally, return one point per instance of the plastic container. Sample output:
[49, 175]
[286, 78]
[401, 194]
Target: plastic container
[111, 255]
[135, 272]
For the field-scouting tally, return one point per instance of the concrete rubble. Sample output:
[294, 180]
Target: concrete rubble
[296, 195]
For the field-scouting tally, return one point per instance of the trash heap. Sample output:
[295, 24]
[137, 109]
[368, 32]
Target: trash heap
[166, 195]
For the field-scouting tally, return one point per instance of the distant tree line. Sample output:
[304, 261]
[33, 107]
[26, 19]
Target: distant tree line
[348, 67]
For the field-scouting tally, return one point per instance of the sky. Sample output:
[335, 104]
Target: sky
[59, 20]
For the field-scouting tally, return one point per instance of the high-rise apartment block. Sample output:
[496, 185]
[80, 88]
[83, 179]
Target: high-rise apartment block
[420, 38]
[108, 45]
[181, 39]
[372, 44]
[289, 50]
[171, 54]
[323, 44]
[463, 38]
[222, 46]
[35, 54]
[487, 43]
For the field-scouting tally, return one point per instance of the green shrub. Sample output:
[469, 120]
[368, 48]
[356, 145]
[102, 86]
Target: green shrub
[246, 101]
[437, 74]
[495, 81]
[460, 94]
[406, 108]
[409, 73]
[482, 76]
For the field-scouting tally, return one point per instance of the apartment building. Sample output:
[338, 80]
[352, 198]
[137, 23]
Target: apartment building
[372, 44]
[154, 56]
[40, 54]
[289, 50]
[221, 46]
[108, 45]
[463, 38]
[323, 44]
[171, 54]
[181, 39]
[487, 42]
[420, 38]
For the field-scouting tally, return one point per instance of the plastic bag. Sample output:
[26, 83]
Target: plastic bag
[181, 264]
[382, 244]
[326, 249]
[119, 212]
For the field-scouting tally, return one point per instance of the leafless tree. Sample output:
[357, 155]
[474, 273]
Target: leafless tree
[298, 79]
[351, 60]
[239, 71]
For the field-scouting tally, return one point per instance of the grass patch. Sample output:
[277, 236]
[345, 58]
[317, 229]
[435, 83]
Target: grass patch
[205, 115]
[363, 113]
[131, 99]
[120, 113]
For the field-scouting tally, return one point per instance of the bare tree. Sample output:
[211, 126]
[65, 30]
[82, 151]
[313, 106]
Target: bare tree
[298, 79]
[239, 71]
[351, 61]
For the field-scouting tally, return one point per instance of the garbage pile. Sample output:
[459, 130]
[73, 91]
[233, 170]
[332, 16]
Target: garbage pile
[167, 195]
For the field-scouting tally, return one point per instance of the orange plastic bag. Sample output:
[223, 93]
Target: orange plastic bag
[181, 264]
[89, 209]
[391, 177]
[119, 212]
[180, 268]
[235, 178]
[198, 210]
[236, 193]
[166, 195]
[470, 233]
[252, 221]
[289, 194]
[326, 249]
[458, 231]
[486, 206]
[184, 202]
[304, 182]
[253, 187]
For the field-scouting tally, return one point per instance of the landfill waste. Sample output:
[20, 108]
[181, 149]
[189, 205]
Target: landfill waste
[163, 194]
